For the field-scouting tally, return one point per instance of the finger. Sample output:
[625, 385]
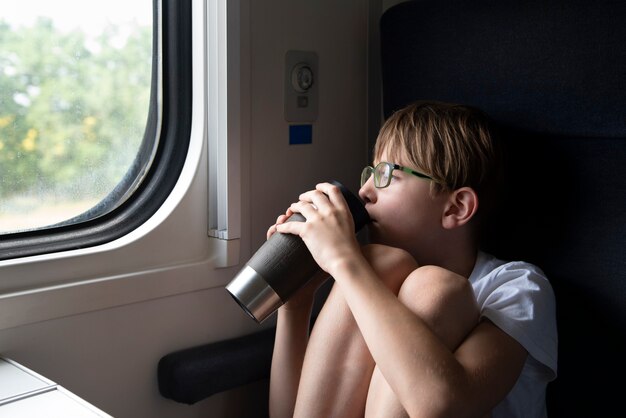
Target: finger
[318, 199]
[321, 201]
[290, 228]
[282, 219]
[333, 194]
[307, 209]
[308, 196]
[271, 231]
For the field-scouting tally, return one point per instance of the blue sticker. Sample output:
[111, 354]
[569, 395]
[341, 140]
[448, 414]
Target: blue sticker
[300, 134]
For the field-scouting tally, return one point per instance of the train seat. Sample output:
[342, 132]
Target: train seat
[552, 75]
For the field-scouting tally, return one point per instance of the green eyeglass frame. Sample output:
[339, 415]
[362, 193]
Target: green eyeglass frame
[382, 174]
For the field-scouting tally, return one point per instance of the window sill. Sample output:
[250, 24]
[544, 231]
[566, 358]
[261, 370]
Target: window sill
[50, 302]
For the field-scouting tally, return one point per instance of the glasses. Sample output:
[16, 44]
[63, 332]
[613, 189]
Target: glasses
[382, 174]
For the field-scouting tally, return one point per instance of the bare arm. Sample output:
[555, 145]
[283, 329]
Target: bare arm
[292, 335]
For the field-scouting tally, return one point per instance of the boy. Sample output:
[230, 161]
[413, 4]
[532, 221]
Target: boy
[419, 323]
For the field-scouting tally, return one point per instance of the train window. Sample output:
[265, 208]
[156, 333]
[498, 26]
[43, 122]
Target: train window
[94, 118]
[74, 101]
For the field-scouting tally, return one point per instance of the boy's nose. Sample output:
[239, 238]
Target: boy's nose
[367, 192]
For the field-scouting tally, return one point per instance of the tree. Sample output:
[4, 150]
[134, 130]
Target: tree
[72, 110]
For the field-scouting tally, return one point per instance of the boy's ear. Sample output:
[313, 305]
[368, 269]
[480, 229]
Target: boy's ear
[460, 207]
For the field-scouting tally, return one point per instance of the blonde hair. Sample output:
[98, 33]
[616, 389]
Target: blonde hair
[451, 143]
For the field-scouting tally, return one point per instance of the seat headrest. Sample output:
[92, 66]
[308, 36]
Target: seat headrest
[554, 67]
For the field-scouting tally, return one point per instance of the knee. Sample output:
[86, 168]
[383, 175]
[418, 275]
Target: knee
[392, 265]
[432, 291]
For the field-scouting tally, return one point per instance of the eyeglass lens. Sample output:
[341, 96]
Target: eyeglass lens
[366, 174]
[382, 175]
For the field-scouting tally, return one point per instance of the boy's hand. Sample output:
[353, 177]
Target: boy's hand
[280, 220]
[329, 229]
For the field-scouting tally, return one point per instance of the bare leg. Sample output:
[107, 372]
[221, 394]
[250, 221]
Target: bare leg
[338, 366]
[446, 302]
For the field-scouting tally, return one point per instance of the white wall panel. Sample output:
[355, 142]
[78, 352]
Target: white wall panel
[108, 354]
[337, 32]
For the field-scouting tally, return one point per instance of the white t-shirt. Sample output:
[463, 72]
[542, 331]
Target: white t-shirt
[517, 298]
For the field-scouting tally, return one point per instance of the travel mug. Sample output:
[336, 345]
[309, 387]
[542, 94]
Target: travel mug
[282, 265]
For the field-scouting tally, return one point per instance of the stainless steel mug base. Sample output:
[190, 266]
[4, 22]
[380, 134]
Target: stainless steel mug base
[254, 295]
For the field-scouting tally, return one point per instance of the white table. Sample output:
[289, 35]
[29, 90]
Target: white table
[24, 393]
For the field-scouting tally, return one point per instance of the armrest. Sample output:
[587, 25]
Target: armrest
[193, 374]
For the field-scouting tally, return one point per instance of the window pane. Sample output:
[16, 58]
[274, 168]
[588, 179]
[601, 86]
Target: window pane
[75, 80]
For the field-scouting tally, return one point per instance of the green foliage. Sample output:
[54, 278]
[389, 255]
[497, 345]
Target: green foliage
[72, 110]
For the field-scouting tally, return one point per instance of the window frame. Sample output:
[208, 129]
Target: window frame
[169, 118]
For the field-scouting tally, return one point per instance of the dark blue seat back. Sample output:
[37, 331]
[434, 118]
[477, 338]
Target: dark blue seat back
[553, 77]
